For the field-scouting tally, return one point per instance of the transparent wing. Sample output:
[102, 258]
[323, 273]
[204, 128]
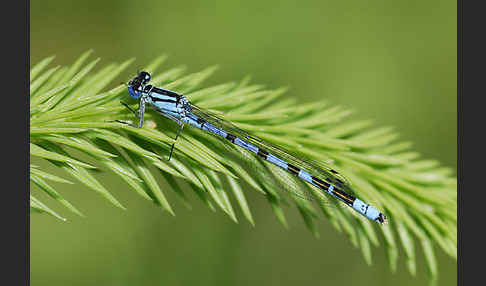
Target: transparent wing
[317, 169]
[265, 176]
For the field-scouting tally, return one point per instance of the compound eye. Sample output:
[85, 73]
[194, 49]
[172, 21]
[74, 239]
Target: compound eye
[145, 77]
[133, 93]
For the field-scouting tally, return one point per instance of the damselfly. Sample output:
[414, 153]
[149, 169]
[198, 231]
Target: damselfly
[177, 108]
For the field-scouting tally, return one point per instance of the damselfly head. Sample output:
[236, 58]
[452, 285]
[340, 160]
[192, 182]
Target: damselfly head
[134, 87]
[137, 84]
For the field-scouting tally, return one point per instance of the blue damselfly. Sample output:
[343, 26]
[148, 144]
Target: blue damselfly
[177, 108]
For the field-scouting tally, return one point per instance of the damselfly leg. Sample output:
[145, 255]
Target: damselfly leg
[136, 113]
[139, 114]
[175, 139]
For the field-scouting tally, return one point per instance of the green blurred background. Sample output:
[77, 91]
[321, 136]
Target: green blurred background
[390, 61]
